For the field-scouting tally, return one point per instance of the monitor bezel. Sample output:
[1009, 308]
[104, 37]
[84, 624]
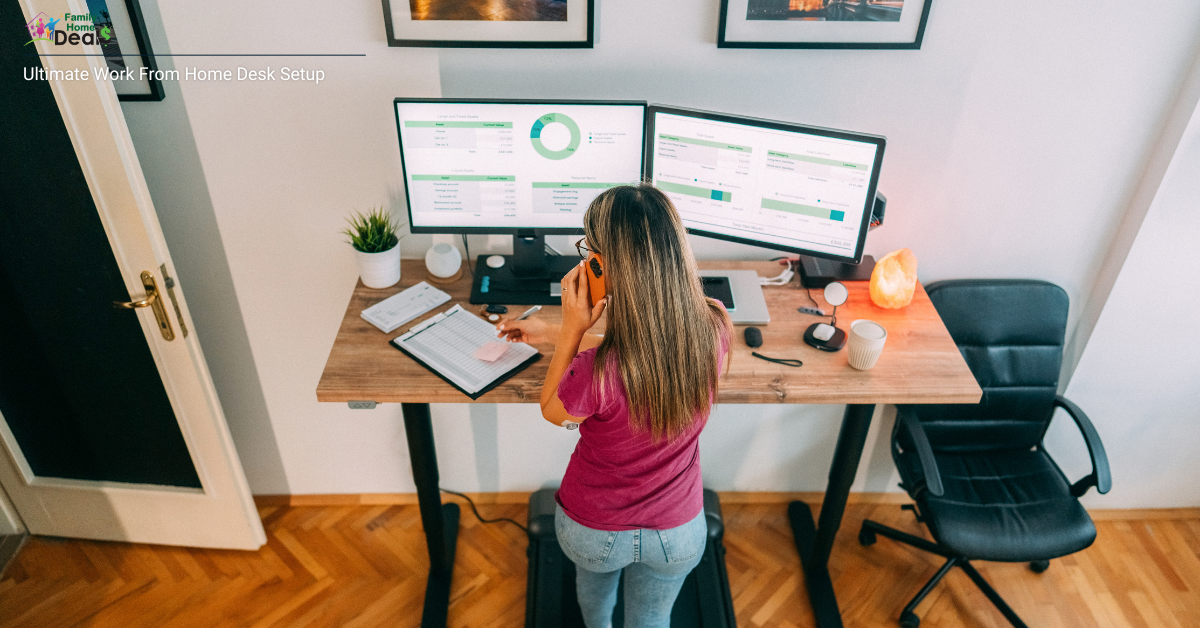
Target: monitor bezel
[518, 231]
[880, 141]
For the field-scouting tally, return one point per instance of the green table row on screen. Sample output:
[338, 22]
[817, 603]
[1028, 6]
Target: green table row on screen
[691, 190]
[807, 210]
[575, 184]
[700, 142]
[463, 177]
[457, 124]
[819, 160]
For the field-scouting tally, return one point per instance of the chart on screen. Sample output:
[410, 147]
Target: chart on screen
[782, 186]
[515, 164]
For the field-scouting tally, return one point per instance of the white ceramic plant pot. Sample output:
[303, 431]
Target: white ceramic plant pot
[379, 270]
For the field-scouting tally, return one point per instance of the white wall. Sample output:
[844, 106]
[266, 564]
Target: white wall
[1139, 377]
[1016, 137]
[252, 182]
[162, 134]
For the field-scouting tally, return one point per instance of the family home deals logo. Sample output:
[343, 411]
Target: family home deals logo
[70, 29]
[80, 29]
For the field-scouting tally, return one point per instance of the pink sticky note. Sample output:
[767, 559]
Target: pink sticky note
[491, 351]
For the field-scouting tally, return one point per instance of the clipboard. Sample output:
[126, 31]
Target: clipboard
[444, 344]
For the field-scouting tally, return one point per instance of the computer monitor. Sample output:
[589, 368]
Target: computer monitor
[521, 167]
[783, 186]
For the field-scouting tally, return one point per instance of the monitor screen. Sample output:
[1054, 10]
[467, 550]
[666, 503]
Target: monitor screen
[773, 184]
[514, 166]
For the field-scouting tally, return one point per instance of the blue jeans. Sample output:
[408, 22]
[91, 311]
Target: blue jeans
[655, 564]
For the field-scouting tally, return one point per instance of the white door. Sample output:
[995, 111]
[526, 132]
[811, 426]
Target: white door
[104, 436]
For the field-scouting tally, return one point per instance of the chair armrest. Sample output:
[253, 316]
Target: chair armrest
[1100, 476]
[933, 479]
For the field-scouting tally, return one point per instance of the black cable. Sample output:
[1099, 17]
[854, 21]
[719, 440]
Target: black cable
[799, 278]
[810, 297]
[480, 517]
[783, 361]
[467, 248]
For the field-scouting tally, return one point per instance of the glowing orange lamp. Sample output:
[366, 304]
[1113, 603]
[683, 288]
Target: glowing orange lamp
[894, 280]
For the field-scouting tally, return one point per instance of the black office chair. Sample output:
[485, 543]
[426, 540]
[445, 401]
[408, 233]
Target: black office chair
[981, 478]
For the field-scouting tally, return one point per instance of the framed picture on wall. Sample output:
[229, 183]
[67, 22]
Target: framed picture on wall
[489, 23]
[869, 24]
[126, 46]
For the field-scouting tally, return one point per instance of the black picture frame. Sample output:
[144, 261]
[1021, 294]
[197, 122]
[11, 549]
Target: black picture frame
[724, 42]
[396, 42]
[152, 89]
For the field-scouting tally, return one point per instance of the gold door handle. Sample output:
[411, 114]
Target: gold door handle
[153, 301]
[151, 297]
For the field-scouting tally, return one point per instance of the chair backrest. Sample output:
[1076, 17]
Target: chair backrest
[1010, 332]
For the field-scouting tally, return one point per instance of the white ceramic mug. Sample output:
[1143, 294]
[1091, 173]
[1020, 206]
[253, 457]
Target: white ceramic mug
[866, 343]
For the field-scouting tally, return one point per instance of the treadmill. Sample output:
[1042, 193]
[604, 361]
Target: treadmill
[703, 602]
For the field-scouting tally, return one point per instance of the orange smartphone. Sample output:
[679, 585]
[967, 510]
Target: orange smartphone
[595, 275]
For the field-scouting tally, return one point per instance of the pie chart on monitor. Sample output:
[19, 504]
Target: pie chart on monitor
[535, 136]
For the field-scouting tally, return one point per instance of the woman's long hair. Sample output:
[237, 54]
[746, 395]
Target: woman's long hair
[665, 333]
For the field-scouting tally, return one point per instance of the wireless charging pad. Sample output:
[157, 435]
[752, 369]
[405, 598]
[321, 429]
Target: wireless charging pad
[835, 295]
[835, 342]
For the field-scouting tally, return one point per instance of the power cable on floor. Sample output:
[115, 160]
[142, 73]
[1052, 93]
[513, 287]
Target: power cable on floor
[480, 517]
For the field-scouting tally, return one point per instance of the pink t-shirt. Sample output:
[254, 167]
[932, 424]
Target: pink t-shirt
[618, 479]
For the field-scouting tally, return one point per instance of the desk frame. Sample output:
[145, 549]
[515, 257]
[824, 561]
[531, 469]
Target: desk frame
[815, 544]
[921, 365]
[440, 521]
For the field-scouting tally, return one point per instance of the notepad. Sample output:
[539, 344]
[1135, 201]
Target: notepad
[446, 344]
[389, 314]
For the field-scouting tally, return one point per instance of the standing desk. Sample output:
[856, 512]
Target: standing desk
[920, 364]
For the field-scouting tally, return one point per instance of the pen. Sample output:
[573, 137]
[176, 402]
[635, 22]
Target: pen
[530, 312]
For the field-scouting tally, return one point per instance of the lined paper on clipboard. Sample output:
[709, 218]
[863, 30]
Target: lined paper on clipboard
[446, 343]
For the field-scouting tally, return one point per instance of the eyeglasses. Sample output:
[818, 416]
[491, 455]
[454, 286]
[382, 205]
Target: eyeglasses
[580, 248]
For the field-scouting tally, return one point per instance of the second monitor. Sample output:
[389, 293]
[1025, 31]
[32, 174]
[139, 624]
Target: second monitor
[783, 186]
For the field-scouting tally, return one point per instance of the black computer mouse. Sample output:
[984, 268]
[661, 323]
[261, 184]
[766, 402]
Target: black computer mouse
[753, 337]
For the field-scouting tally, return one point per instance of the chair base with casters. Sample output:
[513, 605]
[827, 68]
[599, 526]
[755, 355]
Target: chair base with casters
[908, 616]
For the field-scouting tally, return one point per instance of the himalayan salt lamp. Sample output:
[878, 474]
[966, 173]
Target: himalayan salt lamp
[894, 279]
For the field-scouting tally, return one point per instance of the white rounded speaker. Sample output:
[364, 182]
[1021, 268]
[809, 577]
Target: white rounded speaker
[443, 262]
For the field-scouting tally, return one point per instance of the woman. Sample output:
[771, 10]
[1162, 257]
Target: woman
[631, 499]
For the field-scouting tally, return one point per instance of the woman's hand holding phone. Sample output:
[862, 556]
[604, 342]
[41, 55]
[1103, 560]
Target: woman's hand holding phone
[577, 312]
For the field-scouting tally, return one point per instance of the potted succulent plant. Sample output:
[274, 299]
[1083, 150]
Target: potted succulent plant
[373, 236]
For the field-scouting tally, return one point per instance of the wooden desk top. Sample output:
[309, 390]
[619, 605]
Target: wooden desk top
[920, 363]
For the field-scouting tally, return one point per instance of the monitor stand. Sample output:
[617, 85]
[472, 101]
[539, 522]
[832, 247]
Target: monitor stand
[816, 272]
[526, 278]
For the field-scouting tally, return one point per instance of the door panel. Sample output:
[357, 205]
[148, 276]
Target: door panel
[109, 428]
[78, 384]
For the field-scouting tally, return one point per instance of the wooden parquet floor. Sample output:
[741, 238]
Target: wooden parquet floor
[365, 566]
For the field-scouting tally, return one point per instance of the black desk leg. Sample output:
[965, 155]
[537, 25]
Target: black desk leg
[439, 520]
[814, 544]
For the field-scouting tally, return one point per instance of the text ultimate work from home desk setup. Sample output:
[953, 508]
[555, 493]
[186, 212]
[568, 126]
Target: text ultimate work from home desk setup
[531, 168]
